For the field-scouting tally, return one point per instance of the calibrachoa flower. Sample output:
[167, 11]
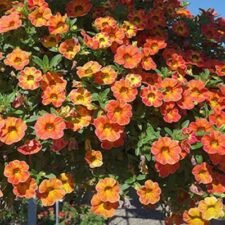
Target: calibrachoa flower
[106, 130]
[29, 78]
[76, 8]
[194, 217]
[108, 190]
[170, 112]
[67, 182]
[81, 96]
[10, 22]
[118, 112]
[202, 173]
[16, 172]
[59, 144]
[88, 69]
[94, 158]
[123, 91]
[166, 151]
[167, 169]
[69, 48]
[30, 147]
[149, 193]
[106, 76]
[129, 56]
[57, 24]
[26, 189]
[151, 96]
[13, 130]
[49, 126]
[51, 191]
[134, 80]
[211, 208]
[17, 59]
[105, 209]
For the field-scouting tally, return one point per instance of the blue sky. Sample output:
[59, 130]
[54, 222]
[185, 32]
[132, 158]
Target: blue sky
[218, 5]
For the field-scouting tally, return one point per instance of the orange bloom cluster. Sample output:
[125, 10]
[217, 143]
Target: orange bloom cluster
[105, 202]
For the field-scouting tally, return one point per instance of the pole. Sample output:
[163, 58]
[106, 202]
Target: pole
[57, 213]
[32, 212]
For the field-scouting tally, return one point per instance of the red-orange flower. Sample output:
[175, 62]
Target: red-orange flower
[30, 147]
[148, 63]
[213, 143]
[119, 112]
[106, 76]
[88, 69]
[54, 95]
[69, 48]
[170, 112]
[149, 193]
[40, 16]
[94, 158]
[51, 40]
[57, 24]
[106, 130]
[217, 118]
[29, 78]
[50, 191]
[108, 190]
[105, 24]
[166, 151]
[16, 171]
[49, 126]
[17, 59]
[123, 91]
[166, 170]
[151, 96]
[77, 8]
[13, 130]
[220, 69]
[200, 126]
[202, 173]
[105, 209]
[10, 22]
[134, 80]
[172, 90]
[25, 189]
[79, 118]
[153, 45]
[181, 28]
[128, 55]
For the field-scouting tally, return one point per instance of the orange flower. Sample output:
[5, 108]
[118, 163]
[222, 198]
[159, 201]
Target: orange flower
[200, 125]
[153, 45]
[170, 112]
[134, 80]
[211, 208]
[138, 18]
[119, 112]
[166, 170]
[54, 95]
[202, 173]
[94, 158]
[128, 55]
[123, 91]
[17, 59]
[116, 144]
[148, 63]
[57, 24]
[172, 90]
[88, 69]
[67, 182]
[194, 217]
[216, 100]
[220, 69]
[12, 131]
[166, 151]
[51, 191]
[149, 193]
[217, 185]
[51, 40]
[26, 189]
[105, 24]
[106, 76]
[217, 118]
[103, 39]
[10, 22]
[108, 190]
[213, 143]
[129, 28]
[175, 61]
[16, 171]
[105, 209]
[30, 147]
[52, 79]
[79, 118]
[29, 78]
[69, 48]
[81, 96]
[49, 126]
[40, 16]
[181, 29]
[151, 96]
[106, 130]
[77, 8]
[37, 3]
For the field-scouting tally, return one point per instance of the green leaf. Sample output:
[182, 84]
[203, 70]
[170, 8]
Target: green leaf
[55, 61]
[38, 62]
[196, 146]
[141, 177]
[46, 63]
[199, 159]
[185, 124]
